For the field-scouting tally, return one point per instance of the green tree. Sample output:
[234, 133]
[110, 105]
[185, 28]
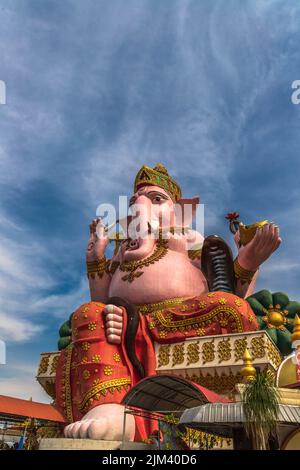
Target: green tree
[260, 406]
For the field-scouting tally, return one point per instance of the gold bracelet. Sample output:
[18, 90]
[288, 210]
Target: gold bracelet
[97, 267]
[243, 274]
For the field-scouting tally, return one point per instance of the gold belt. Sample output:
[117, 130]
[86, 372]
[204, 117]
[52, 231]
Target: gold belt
[153, 307]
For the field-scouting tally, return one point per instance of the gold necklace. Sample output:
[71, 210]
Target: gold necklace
[132, 266]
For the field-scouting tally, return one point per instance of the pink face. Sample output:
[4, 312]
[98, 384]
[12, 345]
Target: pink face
[158, 204]
[154, 209]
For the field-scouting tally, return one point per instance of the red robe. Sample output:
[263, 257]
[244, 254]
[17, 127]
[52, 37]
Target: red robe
[92, 371]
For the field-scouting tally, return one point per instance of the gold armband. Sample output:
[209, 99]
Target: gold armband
[243, 274]
[98, 267]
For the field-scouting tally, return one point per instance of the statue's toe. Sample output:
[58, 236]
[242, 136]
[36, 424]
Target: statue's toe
[98, 429]
[83, 430]
[76, 430]
[68, 430]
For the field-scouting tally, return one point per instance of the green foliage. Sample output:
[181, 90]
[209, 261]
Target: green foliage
[260, 406]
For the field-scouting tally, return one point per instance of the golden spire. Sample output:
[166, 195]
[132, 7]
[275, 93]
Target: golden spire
[296, 331]
[248, 371]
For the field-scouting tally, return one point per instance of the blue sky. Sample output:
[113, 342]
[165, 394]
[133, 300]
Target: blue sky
[95, 89]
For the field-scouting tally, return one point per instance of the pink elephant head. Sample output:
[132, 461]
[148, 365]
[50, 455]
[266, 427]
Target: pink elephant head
[156, 208]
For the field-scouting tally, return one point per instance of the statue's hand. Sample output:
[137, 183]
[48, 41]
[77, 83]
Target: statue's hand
[97, 242]
[264, 243]
[113, 323]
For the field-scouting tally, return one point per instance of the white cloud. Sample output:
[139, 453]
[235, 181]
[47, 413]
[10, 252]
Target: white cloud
[28, 287]
[17, 329]
[18, 380]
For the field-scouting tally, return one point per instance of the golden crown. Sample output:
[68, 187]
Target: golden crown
[157, 176]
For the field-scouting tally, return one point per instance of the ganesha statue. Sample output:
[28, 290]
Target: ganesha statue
[164, 283]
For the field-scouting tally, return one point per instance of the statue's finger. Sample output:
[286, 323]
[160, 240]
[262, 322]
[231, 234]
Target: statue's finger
[271, 229]
[113, 328]
[276, 242]
[114, 317]
[113, 309]
[257, 237]
[114, 339]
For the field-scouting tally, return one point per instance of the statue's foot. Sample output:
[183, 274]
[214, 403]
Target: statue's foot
[103, 422]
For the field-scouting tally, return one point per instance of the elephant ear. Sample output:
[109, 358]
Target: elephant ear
[185, 211]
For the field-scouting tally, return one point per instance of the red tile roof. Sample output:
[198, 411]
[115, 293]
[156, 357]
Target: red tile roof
[27, 408]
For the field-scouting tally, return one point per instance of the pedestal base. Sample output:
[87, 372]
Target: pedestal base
[91, 444]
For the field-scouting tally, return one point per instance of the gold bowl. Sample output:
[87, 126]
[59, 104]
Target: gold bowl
[247, 232]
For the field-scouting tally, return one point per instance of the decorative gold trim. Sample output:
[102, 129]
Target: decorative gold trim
[244, 275]
[54, 364]
[43, 367]
[200, 320]
[157, 176]
[193, 353]
[240, 345]
[257, 347]
[169, 303]
[102, 388]
[132, 266]
[219, 383]
[178, 354]
[98, 267]
[68, 360]
[224, 350]
[164, 355]
[195, 254]
[208, 351]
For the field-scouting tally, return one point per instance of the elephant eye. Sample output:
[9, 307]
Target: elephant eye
[156, 198]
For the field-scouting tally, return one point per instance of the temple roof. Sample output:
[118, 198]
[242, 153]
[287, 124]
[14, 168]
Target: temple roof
[222, 418]
[12, 408]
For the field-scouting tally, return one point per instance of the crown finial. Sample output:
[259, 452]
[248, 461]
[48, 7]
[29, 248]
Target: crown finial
[161, 169]
[296, 331]
[248, 371]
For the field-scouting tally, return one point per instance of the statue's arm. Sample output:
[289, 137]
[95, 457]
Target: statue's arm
[99, 287]
[97, 265]
[246, 288]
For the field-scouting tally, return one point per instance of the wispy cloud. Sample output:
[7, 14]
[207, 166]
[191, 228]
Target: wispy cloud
[18, 380]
